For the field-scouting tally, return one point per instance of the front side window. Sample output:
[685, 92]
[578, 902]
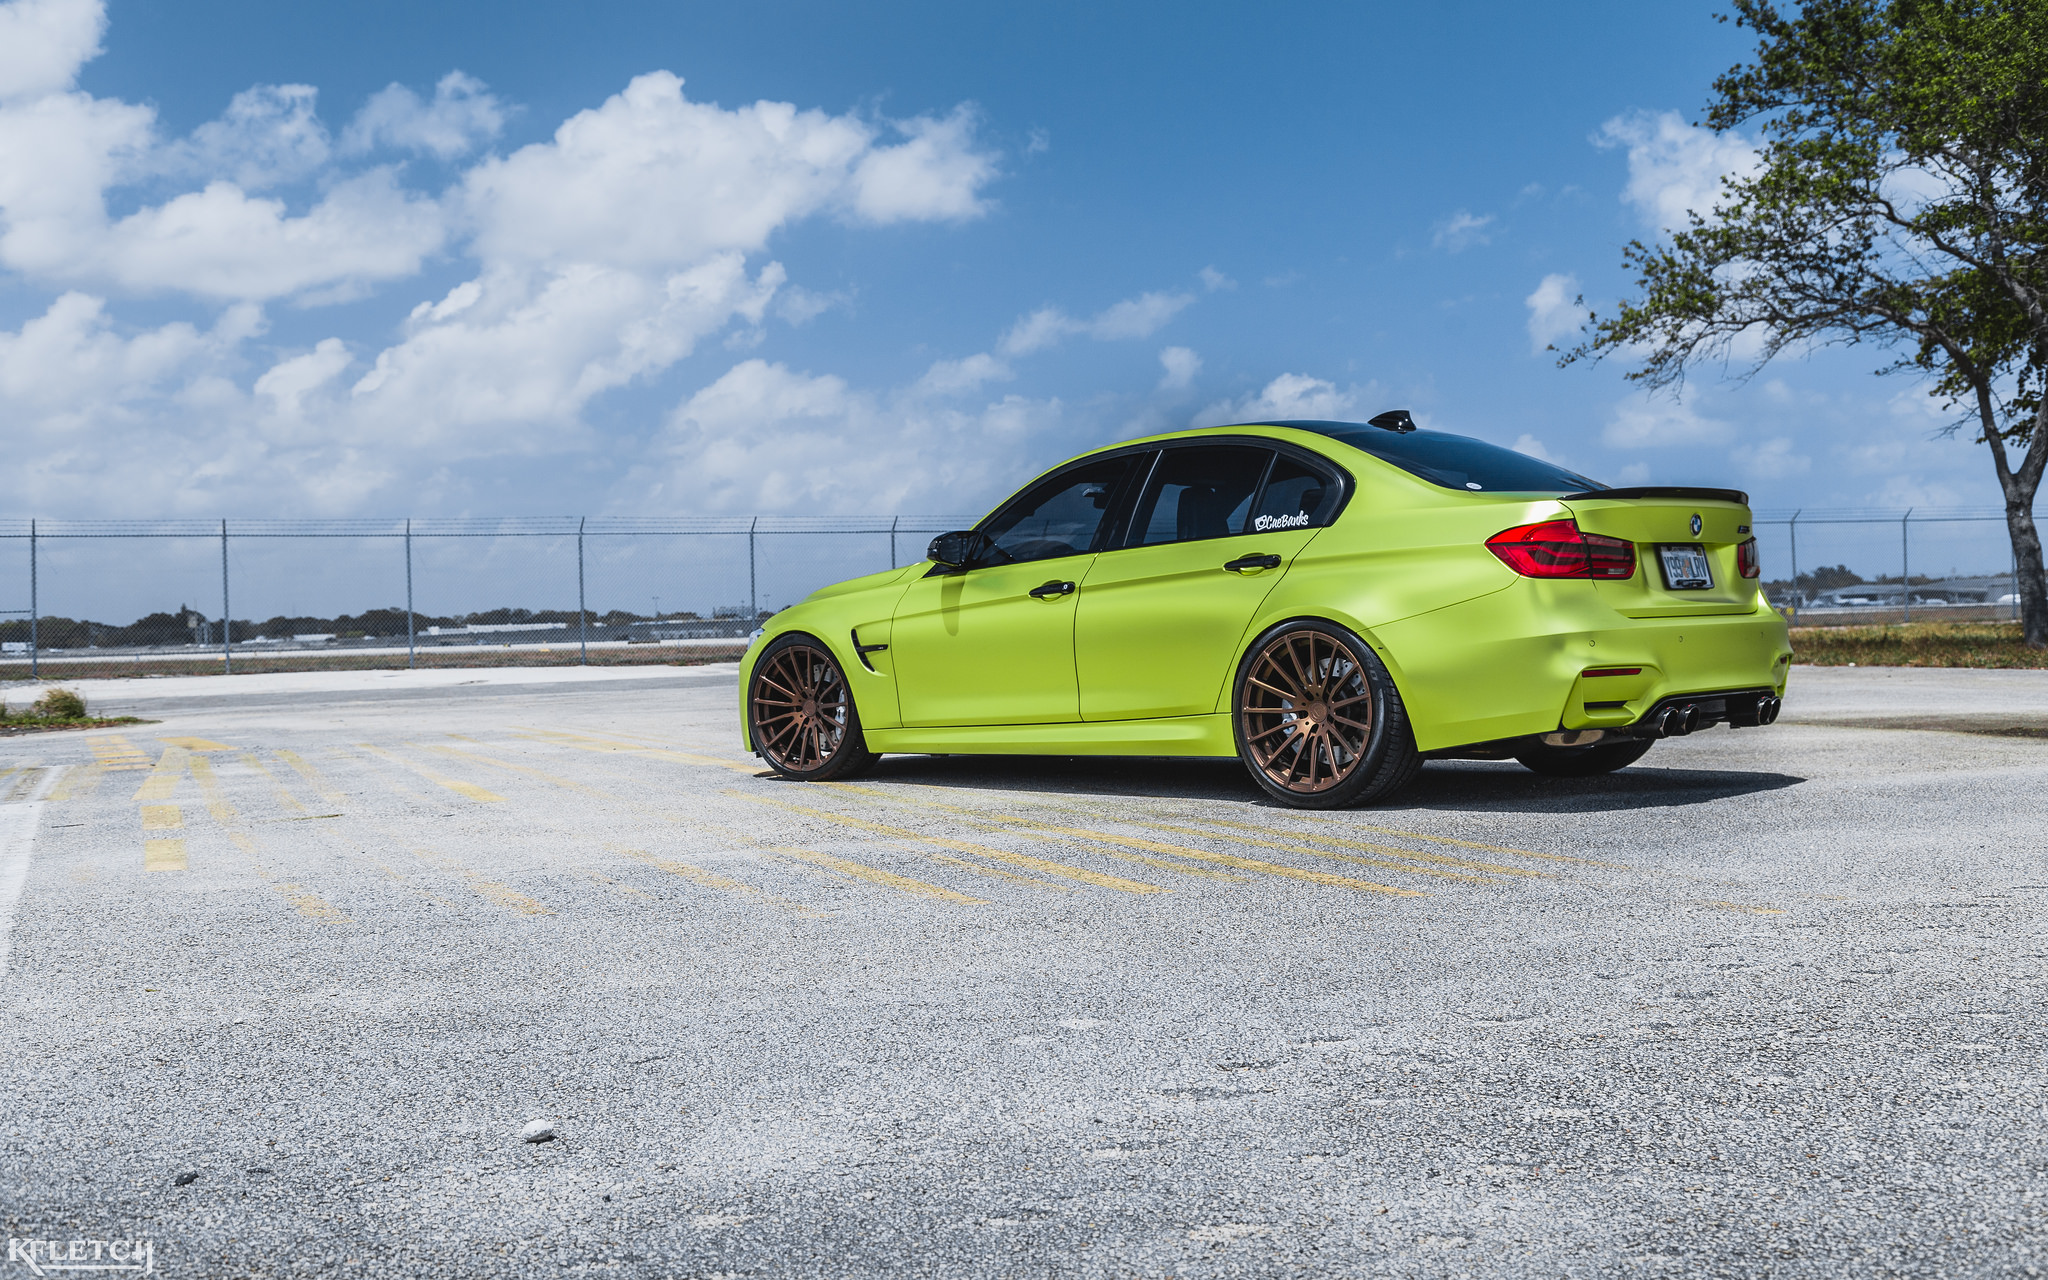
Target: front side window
[1060, 516]
[1200, 492]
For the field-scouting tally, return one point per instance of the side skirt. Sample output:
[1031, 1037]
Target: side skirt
[1178, 736]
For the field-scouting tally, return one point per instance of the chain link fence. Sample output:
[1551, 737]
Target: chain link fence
[109, 597]
[105, 598]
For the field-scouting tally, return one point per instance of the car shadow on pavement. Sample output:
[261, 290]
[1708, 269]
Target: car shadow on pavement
[1469, 785]
[1462, 784]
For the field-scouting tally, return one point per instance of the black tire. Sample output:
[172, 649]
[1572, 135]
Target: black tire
[801, 715]
[1291, 686]
[1583, 762]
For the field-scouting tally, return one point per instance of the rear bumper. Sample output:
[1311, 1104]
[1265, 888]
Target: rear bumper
[1543, 656]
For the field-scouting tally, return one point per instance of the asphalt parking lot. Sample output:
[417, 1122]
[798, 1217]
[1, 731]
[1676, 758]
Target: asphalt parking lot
[1768, 1004]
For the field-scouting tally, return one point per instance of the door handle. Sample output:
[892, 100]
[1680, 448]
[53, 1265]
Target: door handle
[1251, 564]
[1049, 589]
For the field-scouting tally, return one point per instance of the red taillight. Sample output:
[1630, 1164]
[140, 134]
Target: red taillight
[1556, 549]
[1747, 562]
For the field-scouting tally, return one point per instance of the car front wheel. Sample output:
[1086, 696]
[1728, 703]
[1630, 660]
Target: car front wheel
[800, 713]
[1318, 721]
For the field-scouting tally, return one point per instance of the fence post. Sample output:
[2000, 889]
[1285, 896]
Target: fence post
[408, 594]
[35, 671]
[753, 587]
[227, 616]
[582, 627]
[892, 539]
[1797, 599]
[1906, 564]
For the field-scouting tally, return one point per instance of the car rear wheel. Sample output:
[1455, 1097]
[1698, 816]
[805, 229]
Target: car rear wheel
[1318, 721]
[1583, 762]
[800, 713]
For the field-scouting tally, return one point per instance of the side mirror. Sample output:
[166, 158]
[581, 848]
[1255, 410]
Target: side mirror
[959, 549]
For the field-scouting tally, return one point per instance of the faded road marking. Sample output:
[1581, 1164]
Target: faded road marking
[163, 855]
[467, 790]
[162, 817]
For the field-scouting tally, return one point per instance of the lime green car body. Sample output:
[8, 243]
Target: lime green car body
[1138, 656]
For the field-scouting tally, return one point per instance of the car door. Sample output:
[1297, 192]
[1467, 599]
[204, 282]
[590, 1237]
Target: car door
[993, 643]
[1160, 618]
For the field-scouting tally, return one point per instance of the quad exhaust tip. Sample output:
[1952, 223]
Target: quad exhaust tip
[1676, 722]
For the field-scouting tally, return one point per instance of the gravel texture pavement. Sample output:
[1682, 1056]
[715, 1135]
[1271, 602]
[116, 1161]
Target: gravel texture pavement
[290, 975]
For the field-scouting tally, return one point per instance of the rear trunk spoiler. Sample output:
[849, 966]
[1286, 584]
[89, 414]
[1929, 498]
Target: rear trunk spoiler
[1736, 496]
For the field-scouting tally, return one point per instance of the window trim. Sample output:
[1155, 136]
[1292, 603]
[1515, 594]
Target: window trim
[1336, 476]
[1113, 516]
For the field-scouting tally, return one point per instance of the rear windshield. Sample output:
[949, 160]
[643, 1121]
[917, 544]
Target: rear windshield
[1456, 462]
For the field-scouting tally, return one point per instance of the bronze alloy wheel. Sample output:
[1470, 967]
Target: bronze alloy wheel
[1305, 712]
[801, 709]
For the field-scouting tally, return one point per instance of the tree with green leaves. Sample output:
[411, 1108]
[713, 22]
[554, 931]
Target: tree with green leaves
[1900, 199]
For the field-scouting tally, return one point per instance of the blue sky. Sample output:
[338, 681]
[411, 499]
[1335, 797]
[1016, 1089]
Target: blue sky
[469, 259]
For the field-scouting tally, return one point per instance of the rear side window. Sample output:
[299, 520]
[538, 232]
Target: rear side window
[1196, 493]
[1296, 496]
[1060, 515]
[1460, 462]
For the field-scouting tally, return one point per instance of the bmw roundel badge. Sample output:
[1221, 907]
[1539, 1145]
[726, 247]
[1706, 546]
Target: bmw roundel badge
[1697, 524]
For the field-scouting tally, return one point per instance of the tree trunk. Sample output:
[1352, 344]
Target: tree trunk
[2026, 554]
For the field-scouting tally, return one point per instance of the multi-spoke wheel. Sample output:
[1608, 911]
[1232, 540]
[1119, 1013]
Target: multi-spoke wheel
[1318, 720]
[801, 714]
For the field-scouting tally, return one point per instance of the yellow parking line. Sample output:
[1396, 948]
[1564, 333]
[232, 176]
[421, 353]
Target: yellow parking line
[163, 778]
[584, 742]
[712, 880]
[196, 744]
[312, 775]
[970, 867]
[78, 781]
[995, 822]
[1033, 827]
[502, 894]
[542, 774]
[308, 904]
[844, 866]
[1042, 865]
[1412, 855]
[1225, 859]
[209, 787]
[1469, 844]
[163, 855]
[162, 817]
[289, 800]
[1382, 863]
[875, 875]
[459, 787]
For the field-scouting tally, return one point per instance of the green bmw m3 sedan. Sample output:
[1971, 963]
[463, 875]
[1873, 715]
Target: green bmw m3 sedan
[1334, 603]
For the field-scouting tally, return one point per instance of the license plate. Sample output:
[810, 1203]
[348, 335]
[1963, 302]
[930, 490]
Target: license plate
[1686, 567]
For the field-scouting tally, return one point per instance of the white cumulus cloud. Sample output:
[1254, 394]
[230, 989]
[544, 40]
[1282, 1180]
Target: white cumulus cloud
[1293, 395]
[1138, 317]
[1674, 167]
[1462, 230]
[1181, 366]
[43, 43]
[1648, 421]
[1554, 311]
[462, 116]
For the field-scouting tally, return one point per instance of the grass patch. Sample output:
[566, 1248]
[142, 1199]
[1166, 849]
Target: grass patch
[58, 709]
[1917, 644]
